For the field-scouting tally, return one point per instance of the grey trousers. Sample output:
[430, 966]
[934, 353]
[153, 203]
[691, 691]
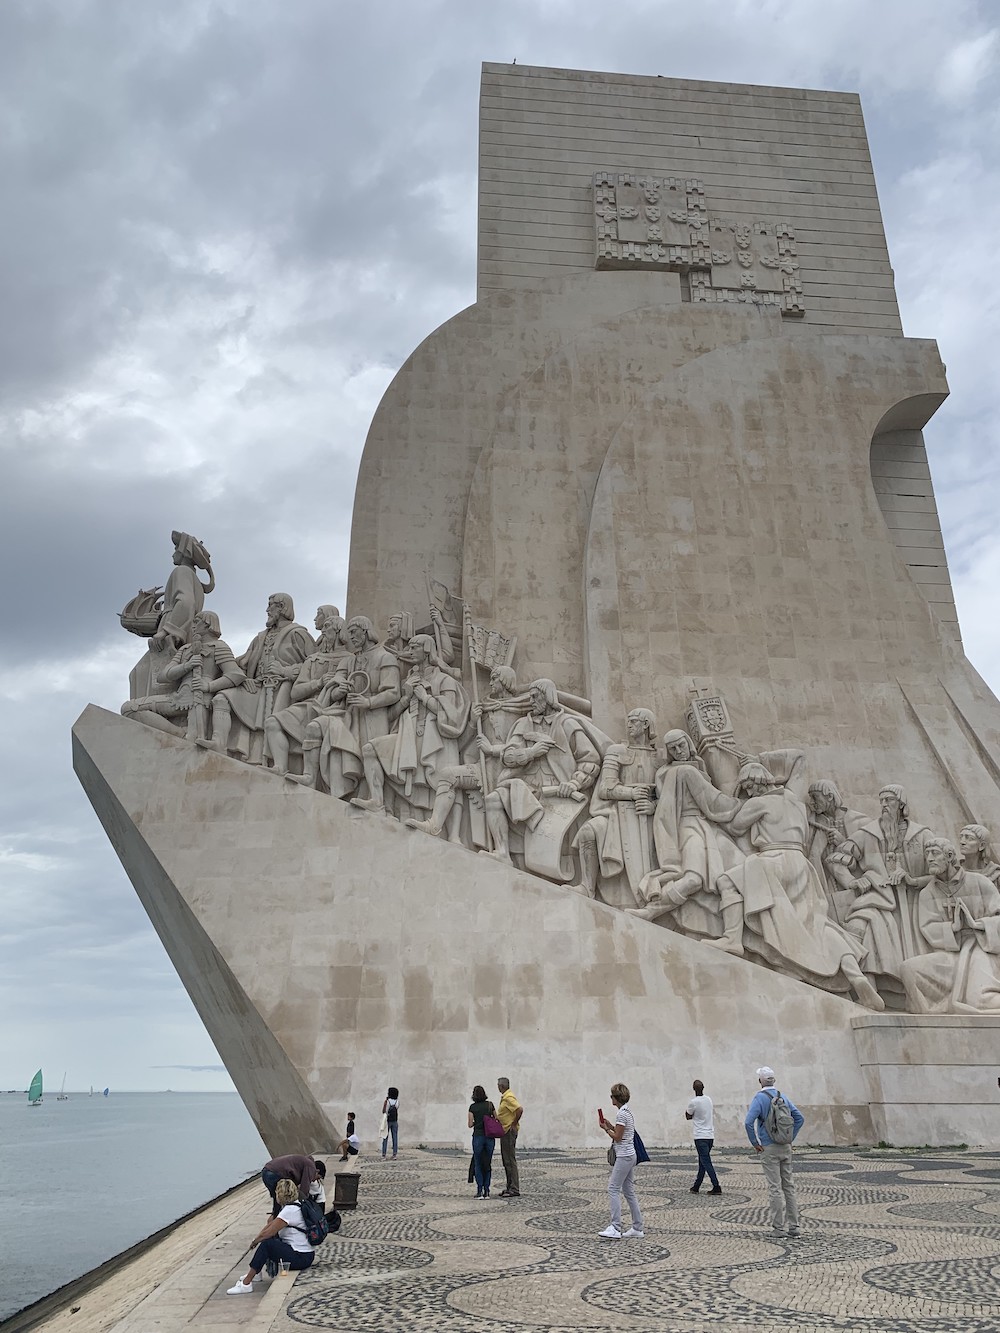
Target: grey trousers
[777, 1163]
[622, 1181]
[508, 1155]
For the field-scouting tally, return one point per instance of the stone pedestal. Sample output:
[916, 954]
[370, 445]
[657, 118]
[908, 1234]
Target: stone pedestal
[932, 1078]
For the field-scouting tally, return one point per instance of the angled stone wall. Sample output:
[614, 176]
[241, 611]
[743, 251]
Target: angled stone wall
[373, 954]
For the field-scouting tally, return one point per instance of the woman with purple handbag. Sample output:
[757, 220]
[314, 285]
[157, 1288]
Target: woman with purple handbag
[483, 1139]
[623, 1157]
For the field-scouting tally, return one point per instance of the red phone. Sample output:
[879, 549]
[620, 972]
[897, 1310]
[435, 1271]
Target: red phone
[600, 1113]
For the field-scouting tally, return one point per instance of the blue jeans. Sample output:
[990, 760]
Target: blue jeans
[270, 1179]
[394, 1132]
[276, 1248]
[704, 1150]
[482, 1157]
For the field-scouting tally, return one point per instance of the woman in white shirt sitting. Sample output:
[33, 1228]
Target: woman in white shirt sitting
[283, 1239]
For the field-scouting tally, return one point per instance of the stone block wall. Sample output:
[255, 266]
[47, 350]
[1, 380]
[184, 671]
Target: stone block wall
[798, 155]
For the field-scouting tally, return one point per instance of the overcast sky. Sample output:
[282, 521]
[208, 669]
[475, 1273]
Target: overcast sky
[225, 225]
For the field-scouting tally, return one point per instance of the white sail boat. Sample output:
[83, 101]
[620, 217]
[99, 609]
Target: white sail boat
[62, 1091]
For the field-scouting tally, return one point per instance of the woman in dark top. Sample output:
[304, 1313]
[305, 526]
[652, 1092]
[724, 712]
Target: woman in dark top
[390, 1109]
[482, 1147]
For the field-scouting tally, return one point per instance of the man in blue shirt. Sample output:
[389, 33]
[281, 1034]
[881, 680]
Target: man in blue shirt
[777, 1157]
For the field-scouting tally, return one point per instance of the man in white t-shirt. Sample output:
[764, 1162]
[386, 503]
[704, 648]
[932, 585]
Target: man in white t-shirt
[700, 1111]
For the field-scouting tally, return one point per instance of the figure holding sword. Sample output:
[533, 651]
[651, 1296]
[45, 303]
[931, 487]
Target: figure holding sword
[548, 755]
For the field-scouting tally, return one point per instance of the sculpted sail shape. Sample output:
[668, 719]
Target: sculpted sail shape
[758, 862]
[648, 610]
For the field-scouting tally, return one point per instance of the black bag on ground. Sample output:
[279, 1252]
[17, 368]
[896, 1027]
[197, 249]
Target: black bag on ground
[316, 1227]
[333, 1221]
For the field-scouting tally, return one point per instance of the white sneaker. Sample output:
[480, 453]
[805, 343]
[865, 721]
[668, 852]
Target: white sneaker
[610, 1233]
[240, 1288]
[632, 1232]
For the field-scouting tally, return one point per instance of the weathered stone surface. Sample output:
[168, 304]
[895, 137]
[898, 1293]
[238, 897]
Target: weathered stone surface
[932, 1079]
[330, 953]
[690, 494]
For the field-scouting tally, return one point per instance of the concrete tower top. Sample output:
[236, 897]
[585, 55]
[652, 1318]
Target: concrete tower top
[746, 193]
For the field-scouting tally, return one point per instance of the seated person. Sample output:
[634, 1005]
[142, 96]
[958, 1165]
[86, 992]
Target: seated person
[350, 1144]
[282, 1240]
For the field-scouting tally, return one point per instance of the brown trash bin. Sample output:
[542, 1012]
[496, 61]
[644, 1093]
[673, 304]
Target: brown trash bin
[345, 1190]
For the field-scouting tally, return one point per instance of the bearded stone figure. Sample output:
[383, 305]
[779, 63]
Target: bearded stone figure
[615, 845]
[692, 850]
[774, 904]
[270, 665]
[958, 916]
[310, 692]
[429, 719]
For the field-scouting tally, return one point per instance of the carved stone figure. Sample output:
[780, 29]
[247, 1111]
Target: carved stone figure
[892, 847]
[831, 848]
[549, 761]
[431, 716]
[398, 633]
[365, 687]
[691, 849]
[617, 839]
[976, 847]
[493, 717]
[443, 643]
[890, 860]
[958, 915]
[774, 904]
[183, 597]
[310, 692]
[270, 664]
[184, 593]
[196, 672]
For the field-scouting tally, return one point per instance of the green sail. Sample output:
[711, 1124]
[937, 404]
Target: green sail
[35, 1091]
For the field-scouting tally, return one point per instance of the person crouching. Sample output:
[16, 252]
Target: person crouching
[283, 1239]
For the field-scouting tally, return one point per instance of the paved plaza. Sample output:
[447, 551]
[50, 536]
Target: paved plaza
[891, 1241]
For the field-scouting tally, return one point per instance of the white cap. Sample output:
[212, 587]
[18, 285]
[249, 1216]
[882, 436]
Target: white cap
[766, 1072]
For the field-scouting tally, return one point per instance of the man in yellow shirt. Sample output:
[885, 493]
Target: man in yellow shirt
[509, 1114]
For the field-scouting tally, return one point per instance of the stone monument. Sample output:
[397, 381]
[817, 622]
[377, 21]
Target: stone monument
[673, 762]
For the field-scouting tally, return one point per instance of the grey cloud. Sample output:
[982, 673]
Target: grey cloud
[226, 226]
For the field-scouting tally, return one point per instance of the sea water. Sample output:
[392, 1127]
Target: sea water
[82, 1180]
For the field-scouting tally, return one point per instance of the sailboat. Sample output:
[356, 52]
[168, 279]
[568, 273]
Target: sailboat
[105, 1093]
[35, 1091]
[62, 1091]
[91, 1090]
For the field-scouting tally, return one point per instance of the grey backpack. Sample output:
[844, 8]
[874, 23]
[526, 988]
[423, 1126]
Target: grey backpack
[778, 1121]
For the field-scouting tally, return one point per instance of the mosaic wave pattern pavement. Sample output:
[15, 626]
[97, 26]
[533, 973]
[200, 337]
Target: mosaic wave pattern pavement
[890, 1243]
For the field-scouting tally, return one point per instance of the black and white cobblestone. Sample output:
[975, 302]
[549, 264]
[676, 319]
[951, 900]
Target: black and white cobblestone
[890, 1243]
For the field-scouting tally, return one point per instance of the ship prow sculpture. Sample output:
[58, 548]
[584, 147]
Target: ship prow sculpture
[647, 743]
